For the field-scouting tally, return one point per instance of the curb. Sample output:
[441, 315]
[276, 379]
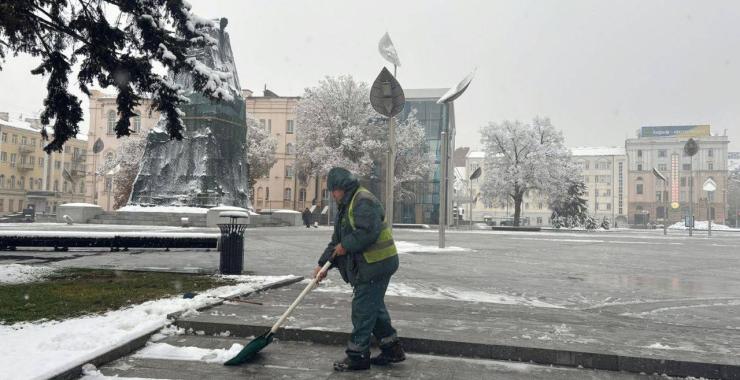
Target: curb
[75, 371]
[544, 356]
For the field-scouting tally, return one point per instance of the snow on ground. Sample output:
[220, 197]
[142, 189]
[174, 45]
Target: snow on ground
[164, 209]
[169, 352]
[408, 247]
[701, 225]
[440, 293]
[18, 273]
[41, 350]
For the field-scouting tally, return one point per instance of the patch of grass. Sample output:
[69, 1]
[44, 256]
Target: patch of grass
[75, 292]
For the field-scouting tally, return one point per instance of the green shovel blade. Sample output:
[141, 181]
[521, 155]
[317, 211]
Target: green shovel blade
[250, 350]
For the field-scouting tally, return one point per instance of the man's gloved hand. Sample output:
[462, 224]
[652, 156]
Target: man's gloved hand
[317, 272]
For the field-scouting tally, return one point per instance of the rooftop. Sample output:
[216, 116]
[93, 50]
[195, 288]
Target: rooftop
[476, 154]
[598, 151]
[424, 93]
[26, 126]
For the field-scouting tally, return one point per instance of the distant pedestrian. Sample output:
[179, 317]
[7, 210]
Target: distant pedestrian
[307, 217]
[366, 257]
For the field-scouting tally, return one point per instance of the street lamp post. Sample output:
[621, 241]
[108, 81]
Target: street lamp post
[387, 98]
[691, 148]
[447, 99]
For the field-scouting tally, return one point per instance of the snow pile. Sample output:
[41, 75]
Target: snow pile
[442, 293]
[699, 225]
[164, 209]
[169, 352]
[18, 273]
[41, 350]
[408, 247]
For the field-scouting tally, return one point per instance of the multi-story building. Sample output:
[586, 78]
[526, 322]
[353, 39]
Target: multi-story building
[534, 211]
[662, 148]
[30, 177]
[604, 171]
[282, 188]
[434, 118]
[103, 118]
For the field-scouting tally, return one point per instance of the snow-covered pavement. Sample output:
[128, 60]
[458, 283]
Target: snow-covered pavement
[43, 349]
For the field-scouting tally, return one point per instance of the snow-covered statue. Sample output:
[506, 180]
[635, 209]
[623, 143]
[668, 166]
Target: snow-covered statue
[208, 166]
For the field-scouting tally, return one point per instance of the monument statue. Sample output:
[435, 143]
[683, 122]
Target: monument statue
[208, 166]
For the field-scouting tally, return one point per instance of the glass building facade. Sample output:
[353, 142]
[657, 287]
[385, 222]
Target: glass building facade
[423, 207]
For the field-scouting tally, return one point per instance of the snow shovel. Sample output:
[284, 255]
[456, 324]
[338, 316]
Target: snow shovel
[257, 344]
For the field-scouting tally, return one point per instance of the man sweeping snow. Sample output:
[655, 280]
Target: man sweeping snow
[366, 258]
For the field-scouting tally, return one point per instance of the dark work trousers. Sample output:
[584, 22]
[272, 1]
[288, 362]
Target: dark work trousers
[370, 317]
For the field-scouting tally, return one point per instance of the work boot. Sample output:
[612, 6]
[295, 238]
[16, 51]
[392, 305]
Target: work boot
[353, 363]
[390, 353]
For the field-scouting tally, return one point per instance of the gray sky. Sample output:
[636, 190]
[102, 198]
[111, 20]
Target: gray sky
[598, 69]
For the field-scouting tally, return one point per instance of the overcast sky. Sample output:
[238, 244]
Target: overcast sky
[598, 69]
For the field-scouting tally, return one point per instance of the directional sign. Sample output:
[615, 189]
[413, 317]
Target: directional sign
[475, 174]
[709, 185]
[386, 95]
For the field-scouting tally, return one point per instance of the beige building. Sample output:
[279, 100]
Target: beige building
[103, 117]
[604, 171]
[282, 188]
[31, 178]
[534, 206]
[662, 148]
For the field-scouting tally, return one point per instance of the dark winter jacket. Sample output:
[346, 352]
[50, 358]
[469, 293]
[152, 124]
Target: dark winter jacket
[306, 216]
[368, 215]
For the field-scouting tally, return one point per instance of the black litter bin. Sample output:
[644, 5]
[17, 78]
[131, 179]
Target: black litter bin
[232, 242]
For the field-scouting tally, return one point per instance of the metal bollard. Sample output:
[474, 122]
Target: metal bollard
[232, 242]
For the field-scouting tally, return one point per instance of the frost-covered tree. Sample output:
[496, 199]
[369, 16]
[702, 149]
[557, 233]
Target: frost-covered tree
[260, 150]
[569, 208]
[523, 157]
[114, 43]
[338, 127]
[124, 166]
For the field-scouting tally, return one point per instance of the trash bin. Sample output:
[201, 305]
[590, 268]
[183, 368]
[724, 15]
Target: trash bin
[232, 242]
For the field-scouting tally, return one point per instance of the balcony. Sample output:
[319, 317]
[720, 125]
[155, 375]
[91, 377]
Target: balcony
[25, 165]
[25, 149]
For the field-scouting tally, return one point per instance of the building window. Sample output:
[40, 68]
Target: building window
[12, 182]
[5, 137]
[259, 193]
[638, 189]
[662, 153]
[686, 166]
[58, 165]
[710, 166]
[663, 167]
[3, 156]
[267, 193]
[325, 194]
[290, 128]
[710, 152]
[290, 148]
[38, 183]
[639, 153]
[56, 185]
[82, 187]
[2, 205]
[30, 183]
[658, 196]
[15, 139]
[41, 161]
[288, 194]
[111, 122]
[683, 181]
[22, 183]
[289, 171]
[639, 167]
[608, 207]
[2, 181]
[302, 195]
